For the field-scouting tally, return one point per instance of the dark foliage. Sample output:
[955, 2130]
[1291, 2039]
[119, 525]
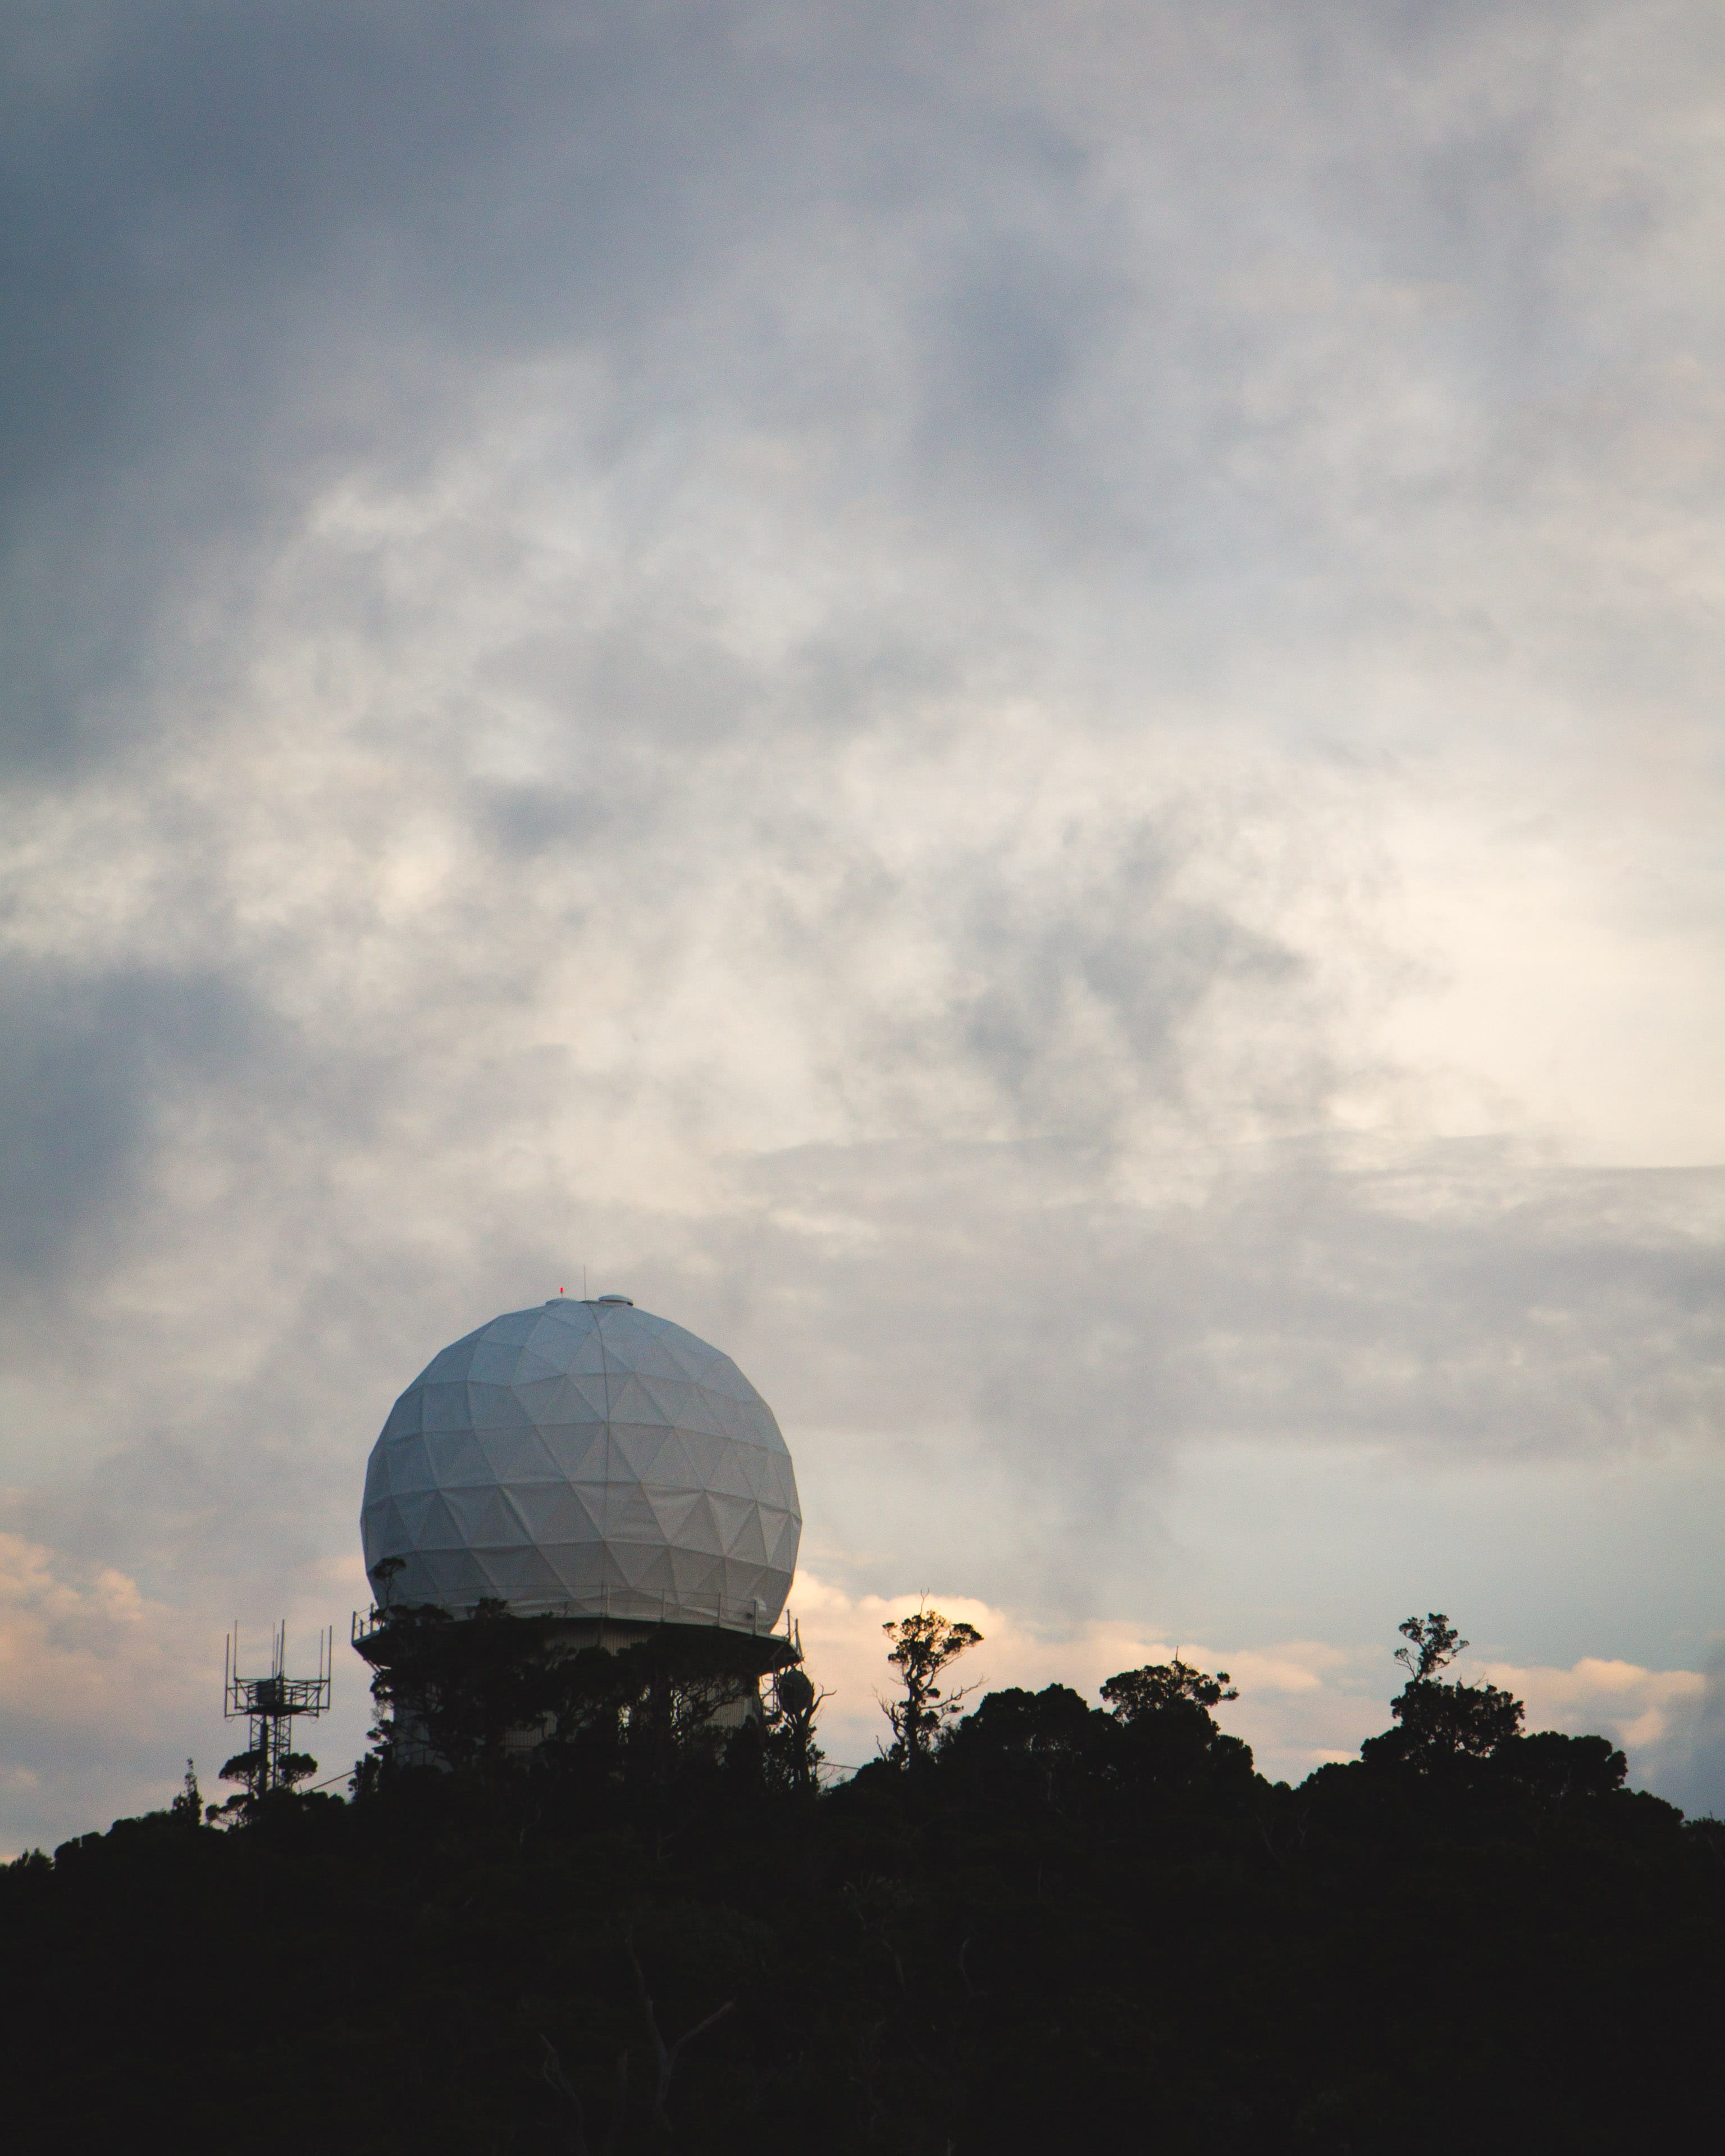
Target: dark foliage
[921, 1648]
[1445, 1729]
[1433, 1643]
[1070, 1927]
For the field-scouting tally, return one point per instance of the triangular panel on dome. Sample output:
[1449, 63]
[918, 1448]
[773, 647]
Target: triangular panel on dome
[695, 1355]
[743, 1413]
[407, 1467]
[645, 1567]
[771, 1476]
[748, 1546]
[389, 1460]
[487, 1518]
[629, 1517]
[383, 1532]
[562, 1317]
[786, 1478]
[416, 1582]
[541, 1364]
[594, 1388]
[696, 1575]
[611, 1562]
[755, 1464]
[729, 1515]
[579, 1568]
[676, 1368]
[633, 1400]
[784, 1532]
[720, 1374]
[438, 1528]
[649, 1354]
[554, 1396]
[560, 1512]
[494, 1361]
[728, 1476]
[496, 1407]
[457, 1577]
[699, 1530]
[519, 1455]
[445, 1406]
[703, 1455]
[741, 1574]
[675, 1510]
[406, 1417]
[692, 1406]
[581, 1451]
[412, 1511]
[456, 1460]
[584, 1396]
[518, 1575]
[580, 1354]
[635, 1450]
[514, 1328]
[671, 1469]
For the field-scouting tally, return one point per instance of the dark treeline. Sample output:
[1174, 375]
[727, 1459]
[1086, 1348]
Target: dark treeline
[1039, 1925]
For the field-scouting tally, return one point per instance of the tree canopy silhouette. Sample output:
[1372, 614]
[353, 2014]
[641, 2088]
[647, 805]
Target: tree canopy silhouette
[1078, 1922]
[1433, 1643]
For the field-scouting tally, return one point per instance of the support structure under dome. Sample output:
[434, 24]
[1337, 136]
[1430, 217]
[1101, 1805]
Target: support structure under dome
[477, 1690]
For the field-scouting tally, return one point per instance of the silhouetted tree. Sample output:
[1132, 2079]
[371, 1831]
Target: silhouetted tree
[1433, 1644]
[254, 1769]
[1173, 1746]
[792, 1756]
[1559, 1770]
[924, 1645]
[188, 1807]
[1047, 1746]
[1134, 1693]
[459, 1687]
[1440, 1727]
[384, 1574]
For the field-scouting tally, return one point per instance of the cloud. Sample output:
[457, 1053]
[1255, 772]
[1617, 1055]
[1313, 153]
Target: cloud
[891, 673]
[1636, 1707]
[92, 1682]
[1682, 1741]
[74, 1650]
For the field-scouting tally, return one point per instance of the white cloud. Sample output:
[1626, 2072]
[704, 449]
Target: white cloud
[96, 1682]
[1642, 1711]
[76, 1650]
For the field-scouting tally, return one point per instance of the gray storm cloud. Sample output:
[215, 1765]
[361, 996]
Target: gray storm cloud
[787, 651]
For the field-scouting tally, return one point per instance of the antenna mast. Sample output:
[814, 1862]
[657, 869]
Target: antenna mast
[269, 1705]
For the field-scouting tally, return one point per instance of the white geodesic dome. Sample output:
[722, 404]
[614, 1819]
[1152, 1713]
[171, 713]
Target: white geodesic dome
[586, 1458]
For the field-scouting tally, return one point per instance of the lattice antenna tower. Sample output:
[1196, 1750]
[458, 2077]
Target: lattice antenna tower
[270, 1705]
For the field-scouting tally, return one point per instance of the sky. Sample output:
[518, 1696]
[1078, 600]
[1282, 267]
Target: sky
[1015, 706]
